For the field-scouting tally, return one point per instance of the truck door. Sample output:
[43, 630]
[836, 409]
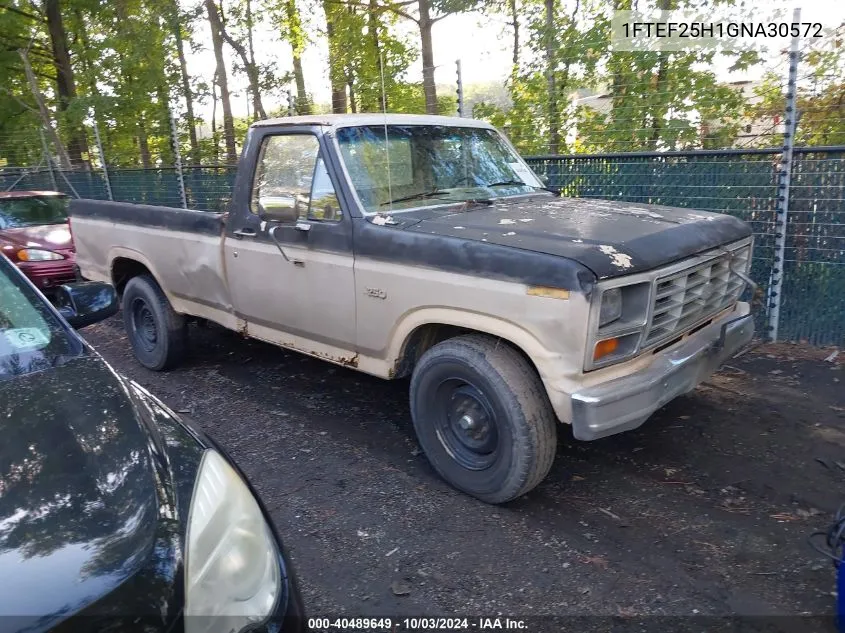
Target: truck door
[296, 289]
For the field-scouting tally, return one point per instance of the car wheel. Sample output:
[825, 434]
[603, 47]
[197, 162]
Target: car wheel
[158, 334]
[482, 417]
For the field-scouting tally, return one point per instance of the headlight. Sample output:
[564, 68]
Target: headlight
[611, 306]
[622, 315]
[37, 255]
[232, 577]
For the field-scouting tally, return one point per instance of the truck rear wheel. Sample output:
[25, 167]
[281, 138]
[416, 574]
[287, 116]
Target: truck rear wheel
[158, 335]
[482, 417]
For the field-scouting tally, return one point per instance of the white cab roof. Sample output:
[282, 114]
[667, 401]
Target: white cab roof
[352, 120]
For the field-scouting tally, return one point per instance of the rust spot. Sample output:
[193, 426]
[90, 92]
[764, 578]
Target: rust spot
[243, 328]
[351, 361]
[346, 361]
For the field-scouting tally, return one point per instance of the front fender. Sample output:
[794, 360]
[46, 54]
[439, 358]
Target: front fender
[543, 359]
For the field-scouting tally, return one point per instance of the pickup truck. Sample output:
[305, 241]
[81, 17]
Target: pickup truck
[425, 247]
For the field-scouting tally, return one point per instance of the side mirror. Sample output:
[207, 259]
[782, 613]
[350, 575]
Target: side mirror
[86, 302]
[278, 210]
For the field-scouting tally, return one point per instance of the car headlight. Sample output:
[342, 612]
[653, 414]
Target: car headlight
[37, 255]
[611, 306]
[232, 578]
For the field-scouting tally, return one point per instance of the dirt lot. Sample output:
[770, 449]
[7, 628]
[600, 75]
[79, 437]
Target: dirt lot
[704, 510]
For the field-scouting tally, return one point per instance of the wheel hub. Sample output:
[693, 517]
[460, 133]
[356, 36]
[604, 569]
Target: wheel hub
[143, 322]
[467, 423]
[467, 427]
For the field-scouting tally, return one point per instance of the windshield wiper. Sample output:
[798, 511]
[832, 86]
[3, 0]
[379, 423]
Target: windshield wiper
[512, 183]
[437, 193]
[416, 196]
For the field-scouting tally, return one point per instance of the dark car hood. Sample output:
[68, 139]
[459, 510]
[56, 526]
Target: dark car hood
[53, 237]
[78, 500]
[609, 238]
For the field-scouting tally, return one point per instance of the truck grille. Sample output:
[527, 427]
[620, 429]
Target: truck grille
[684, 299]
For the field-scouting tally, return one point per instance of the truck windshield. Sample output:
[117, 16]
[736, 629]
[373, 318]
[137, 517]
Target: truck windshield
[397, 167]
[32, 338]
[32, 211]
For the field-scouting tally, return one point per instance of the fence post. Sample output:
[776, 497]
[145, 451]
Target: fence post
[460, 89]
[177, 160]
[46, 151]
[106, 178]
[785, 180]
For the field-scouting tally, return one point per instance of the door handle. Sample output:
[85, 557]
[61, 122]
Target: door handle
[244, 232]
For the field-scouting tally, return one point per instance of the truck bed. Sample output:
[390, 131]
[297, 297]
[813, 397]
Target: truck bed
[181, 248]
[147, 215]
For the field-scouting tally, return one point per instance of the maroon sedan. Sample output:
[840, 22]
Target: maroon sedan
[35, 235]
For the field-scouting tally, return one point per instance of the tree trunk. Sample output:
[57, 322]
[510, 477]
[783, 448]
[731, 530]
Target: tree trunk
[248, 60]
[222, 81]
[429, 87]
[215, 140]
[336, 74]
[249, 38]
[353, 106]
[294, 24]
[144, 145]
[515, 22]
[375, 55]
[551, 78]
[64, 159]
[187, 93]
[302, 105]
[65, 84]
[658, 112]
[251, 72]
[167, 155]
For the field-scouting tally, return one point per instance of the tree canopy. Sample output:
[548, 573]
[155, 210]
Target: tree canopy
[126, 66]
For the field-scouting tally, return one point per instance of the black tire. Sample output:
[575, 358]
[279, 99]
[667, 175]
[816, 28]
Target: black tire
[158, 335]
[483, 400]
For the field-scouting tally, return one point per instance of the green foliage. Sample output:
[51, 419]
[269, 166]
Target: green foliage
[368, 50]
[20, 142]
[820, 96]
[606, 100]
[570, 92]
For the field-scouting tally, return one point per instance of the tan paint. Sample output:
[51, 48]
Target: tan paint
[185, 264]
[356, 313]
[551, 332]
[313, 300]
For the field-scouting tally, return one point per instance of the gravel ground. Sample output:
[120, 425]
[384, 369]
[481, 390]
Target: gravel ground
[704, 510]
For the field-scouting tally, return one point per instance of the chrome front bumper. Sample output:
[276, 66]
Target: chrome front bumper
[625, 403]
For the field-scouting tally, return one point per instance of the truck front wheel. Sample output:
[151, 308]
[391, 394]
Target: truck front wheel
[158, 334]
[482, 417]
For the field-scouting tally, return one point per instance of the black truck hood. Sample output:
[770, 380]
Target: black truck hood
[79, 505]
[610, 238]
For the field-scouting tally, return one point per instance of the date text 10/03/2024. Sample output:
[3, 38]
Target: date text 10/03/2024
[336, 625]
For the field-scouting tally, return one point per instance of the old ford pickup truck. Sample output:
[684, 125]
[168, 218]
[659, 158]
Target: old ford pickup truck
[424, 246]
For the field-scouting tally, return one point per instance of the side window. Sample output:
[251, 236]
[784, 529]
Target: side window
[324, 204]
[284, 172]
[291, 173]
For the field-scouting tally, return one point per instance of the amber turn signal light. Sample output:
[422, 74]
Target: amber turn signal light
[605, 347]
